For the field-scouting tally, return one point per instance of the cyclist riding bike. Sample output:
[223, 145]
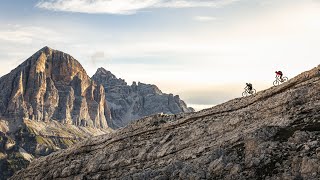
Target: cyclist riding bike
[248, 90]
[249, 87]
[279, 74]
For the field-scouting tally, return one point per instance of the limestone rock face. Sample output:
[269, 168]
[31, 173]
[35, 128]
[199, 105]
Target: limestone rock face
[46, 104]
[128, 103]
[274, 134]
[52, 85]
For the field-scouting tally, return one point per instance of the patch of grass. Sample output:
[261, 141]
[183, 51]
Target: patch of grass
[40, 140]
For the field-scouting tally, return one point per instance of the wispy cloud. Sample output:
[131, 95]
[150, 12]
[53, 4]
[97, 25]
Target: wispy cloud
[124, 6]
[18, 42]
[98, 58]
[27, 34]
[204, 18]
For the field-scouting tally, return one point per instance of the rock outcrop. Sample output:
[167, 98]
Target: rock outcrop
[47, 103]
[128, 103]
[274, 134]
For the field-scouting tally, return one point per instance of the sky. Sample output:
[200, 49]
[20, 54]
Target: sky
[203, 50]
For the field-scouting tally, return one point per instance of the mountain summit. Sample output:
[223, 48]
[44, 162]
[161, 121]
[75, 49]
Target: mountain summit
[52, 85]
[128, 103]
[273, 134]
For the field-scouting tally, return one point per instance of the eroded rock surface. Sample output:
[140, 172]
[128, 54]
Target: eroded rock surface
[129, 103]
[274, 134]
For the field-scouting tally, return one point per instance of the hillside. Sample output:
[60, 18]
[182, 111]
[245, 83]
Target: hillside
[274, 134]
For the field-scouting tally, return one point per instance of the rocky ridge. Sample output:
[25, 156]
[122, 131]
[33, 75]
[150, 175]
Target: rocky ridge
[274, 134]
[128, 103]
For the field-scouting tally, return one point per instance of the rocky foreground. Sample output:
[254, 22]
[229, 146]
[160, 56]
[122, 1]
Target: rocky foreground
[274, 134]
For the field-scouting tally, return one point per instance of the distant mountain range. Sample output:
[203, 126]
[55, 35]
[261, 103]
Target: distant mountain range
[49, 102]
[131, 102]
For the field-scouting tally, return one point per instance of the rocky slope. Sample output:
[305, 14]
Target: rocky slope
[274, 134]
[47, 103]
[128, 103]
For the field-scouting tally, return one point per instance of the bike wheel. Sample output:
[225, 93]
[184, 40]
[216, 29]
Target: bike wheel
[276, 83]
[284, 79]
[244, 94]
[253, 91]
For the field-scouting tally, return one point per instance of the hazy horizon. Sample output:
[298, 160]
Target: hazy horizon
[205, 50]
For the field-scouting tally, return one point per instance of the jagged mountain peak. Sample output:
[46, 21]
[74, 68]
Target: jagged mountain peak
[107, 78]
[46, 49]
[50, 85]
[102, 72]
[129, 103]
[47, 59]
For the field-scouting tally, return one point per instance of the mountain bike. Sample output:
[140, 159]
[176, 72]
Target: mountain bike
[248, 93]
[279, 81]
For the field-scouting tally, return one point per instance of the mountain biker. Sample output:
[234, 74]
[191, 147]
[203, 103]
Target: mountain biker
[248, 87]
[279, 74]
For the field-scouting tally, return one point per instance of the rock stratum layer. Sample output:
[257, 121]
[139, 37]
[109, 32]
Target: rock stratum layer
[129, 103]
[274, 134]
[47, 103]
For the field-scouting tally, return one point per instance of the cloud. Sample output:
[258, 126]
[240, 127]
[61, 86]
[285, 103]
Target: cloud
[27, 34]
[204, 18]
[192, 3]
[18, 42]
[124, 6]
[98, 58]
